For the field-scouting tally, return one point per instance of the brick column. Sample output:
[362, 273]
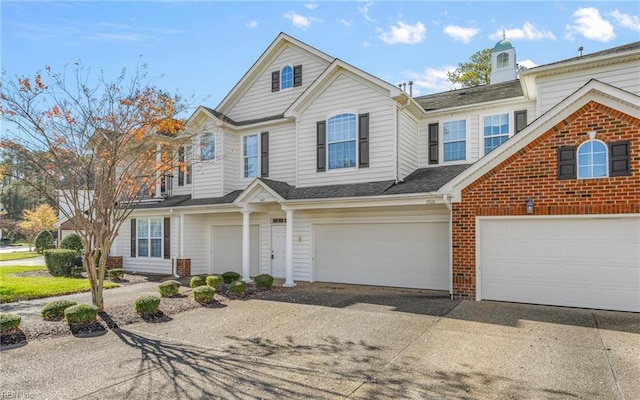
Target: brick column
[114, 262]
[184, 266]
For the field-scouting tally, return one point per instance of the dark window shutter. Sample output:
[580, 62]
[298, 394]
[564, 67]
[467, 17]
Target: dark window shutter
[433, 143]
[167, 238]
[567, 163]
[321, 150]
[297, 75]
[134, 238]
[264, 154]
[275, 81]
[181, 166]
[363, 140]
[520, 118]
[619, 159]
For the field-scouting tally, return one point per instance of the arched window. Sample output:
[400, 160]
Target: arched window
[286, 77]
[503, 60]
[593, 160]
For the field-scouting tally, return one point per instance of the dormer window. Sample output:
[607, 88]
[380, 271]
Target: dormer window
[503, 60]
[286, 78]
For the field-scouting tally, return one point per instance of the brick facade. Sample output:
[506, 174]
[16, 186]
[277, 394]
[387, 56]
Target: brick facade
[114, 262]
[532, 173]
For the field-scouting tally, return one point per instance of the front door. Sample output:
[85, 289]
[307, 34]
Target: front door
[278, 250]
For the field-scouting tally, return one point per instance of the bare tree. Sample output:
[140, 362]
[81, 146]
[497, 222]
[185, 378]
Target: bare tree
[105, 144]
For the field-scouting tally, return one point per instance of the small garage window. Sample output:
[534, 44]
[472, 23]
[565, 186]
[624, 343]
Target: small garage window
[593, 160]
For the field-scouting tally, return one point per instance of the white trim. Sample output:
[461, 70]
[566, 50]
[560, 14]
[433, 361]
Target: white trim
[606, 161]
[594, 90]
[242, 156]
[326, 139]
[481, 127]
[465, 160]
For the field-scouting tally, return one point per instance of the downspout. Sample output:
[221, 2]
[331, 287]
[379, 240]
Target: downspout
[446, 198]
[174, 263]
[396, 143]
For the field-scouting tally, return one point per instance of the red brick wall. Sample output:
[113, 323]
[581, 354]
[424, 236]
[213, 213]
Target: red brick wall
[532, 172]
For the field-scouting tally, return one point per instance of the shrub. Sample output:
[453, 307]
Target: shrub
[169, 288]
[55, 309]
[204, 294]
[197, 281]
[60, 261]
[263, 281]
[76, 272]
[9, 322]
[72, 242]
[81, 314]
[116, 274]
[44, 241]
[214, 281]
[146, 305]
[230, 276]
[238, 287]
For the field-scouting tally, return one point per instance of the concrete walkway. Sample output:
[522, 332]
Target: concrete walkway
[343, 342]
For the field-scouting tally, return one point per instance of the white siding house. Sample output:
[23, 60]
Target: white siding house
[322, 172]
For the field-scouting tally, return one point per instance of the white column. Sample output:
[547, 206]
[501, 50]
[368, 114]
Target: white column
[158, 171]
[289, 251]
[246, 243]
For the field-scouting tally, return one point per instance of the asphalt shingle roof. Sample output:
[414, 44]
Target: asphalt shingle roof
[469, 96]
[426, 180]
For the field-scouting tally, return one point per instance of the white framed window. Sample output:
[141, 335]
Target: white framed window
[341, 141]
[286, 77]
[495, 131]
[149, 237]
[503, 60]
[250, 155]
[593, 160]
[184, 165]
[208, 147]
[454, 139]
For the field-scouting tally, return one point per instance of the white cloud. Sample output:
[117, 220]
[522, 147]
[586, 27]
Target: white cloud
[527, 63]
[348, 23]
[589, 23]
[251, 24]
[527, 32]
[460, 33]
[299, 21]
[404, 33]
[431, 80]
[626, 20]
[311, 6]
[364, 10]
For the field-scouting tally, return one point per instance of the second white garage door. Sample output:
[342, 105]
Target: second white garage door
[591, 262]
[413, 255]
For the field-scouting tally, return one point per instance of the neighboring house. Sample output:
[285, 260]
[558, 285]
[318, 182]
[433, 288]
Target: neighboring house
[313, 170]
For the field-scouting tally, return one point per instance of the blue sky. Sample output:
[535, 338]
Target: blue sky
[204, 48]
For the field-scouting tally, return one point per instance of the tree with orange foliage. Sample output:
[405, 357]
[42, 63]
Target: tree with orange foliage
[101, 142]
[37, 220]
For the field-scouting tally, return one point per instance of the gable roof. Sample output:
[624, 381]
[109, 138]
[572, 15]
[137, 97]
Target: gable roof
[471, 95]
[260, 64]
[593, 90]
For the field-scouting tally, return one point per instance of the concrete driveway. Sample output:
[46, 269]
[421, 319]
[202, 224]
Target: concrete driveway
[340, 341]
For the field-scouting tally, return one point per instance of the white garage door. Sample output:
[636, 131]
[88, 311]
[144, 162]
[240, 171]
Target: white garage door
[413, 255]
[226, 249]
[578, 262]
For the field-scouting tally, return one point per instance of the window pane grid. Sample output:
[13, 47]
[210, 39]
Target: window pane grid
[592, 160]
[149, 231]
[341, 140]
[496, 131]
[287, 77]
[454, 138]
[208, 147]
[250, 154]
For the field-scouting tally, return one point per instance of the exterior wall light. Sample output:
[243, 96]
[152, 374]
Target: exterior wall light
[529, 205]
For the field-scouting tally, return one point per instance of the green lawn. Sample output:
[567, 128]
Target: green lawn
[18, 255]
[14, 288]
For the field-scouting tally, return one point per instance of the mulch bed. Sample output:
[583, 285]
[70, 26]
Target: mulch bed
[119, 315]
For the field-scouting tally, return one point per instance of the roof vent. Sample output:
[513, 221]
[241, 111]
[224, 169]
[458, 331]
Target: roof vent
[580, 51]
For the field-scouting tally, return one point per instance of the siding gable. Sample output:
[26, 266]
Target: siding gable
[262, 98]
